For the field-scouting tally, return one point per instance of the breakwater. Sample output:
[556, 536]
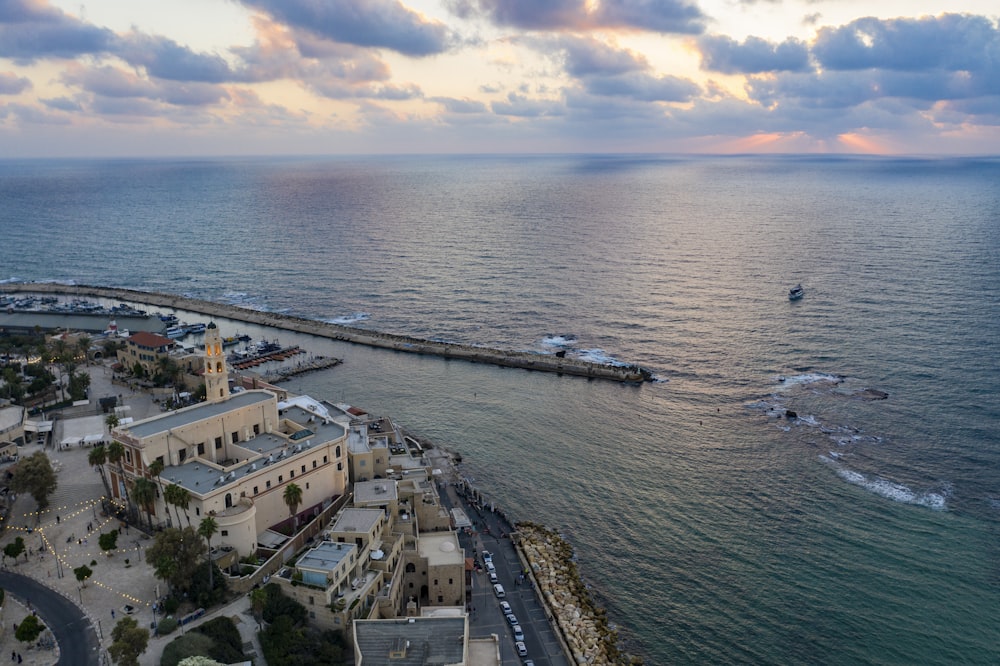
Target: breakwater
[400, 343]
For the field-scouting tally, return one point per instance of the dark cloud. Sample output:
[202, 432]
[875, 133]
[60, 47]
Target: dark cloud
[950, 42]
[30, 30]
[665, 16]
[166, 59]
[453, 105]
[32, 115]
[753, 56]
[62, 104]
[586, 57]
[644, 87]
[112, 83]
[11, 84]
[372, 23]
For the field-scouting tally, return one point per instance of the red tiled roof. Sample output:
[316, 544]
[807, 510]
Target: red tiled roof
[150, 339]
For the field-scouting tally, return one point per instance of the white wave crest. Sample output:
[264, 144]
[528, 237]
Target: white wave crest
[349, 319]
[896, 492]
[561, 341]
[598, 356]
[808, 379]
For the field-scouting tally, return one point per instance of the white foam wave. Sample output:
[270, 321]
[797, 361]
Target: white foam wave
[561, 341]
[890, 490]
[349, 319]
[808, 379]
[598, 356]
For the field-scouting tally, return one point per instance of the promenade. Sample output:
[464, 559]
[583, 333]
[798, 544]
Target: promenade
[65, 536]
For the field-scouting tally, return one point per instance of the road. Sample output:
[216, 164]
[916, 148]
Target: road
[73, 631]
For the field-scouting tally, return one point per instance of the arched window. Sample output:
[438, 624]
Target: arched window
[338, 451]
[411, 568]
[229, 500]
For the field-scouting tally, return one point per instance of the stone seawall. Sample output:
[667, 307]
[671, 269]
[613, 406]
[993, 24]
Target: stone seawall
[402, 343]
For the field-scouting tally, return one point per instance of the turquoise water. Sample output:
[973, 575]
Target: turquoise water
[715, 532]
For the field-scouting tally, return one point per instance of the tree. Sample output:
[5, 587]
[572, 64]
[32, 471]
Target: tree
[83, 347]
[34, 475]
[79, 382]
[207, 528]
[97, 457]
[29, 629]
[108, 541]
[293, 498]
[258, 599]
[14, 549]
[155, 470]
[175, 555]
[180, 497]
[144, 493]
[129, 641]
[112, 421]
[82, 573]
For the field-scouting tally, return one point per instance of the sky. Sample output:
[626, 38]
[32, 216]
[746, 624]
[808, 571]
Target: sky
[260, 77]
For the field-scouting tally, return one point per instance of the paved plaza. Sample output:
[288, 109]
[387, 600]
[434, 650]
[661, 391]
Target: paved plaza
[65, 536]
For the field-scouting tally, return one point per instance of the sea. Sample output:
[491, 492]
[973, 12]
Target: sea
[713, 526]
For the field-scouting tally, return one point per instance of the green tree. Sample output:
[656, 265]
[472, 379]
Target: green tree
[83, 347]
[29, 629]
[207, 528]
[15, 549]
[82, 573]
[79, 382]
[155, 470]
[293, 498]
[129, 640]
[175, 555]
[144, 493]
[108, 541]
[97, 457]
[171, 496]
[35, 475]
[258, 599]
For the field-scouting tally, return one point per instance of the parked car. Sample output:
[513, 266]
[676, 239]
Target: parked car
[522, 649]
[493, 578]
[511, 618]
[505, 607]
[518, 632]
[499, 591]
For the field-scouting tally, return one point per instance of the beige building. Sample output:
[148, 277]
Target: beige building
[236, 454]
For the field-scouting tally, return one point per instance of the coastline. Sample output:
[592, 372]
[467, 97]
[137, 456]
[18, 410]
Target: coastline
[400, 343]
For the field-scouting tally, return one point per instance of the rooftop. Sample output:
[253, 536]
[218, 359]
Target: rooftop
[380, 490]
[412, 641]
[355, 521]
[200, 412]
[326, 556]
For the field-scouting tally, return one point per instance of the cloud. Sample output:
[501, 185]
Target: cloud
[166, 59]
[586, 56]
[664, 16]
[950, 42]
[465, 105]
[62, 104]
[31, 30]
[644, 87]
[113, 83]
[371, 23]
[523, 107]
[754, 56]
[12, 84]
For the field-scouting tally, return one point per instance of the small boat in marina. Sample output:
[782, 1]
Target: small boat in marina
[796, 292]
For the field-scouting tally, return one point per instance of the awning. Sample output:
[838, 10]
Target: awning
[71, 441]
[93, 439]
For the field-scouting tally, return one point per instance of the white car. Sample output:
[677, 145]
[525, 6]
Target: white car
[522, 649]
[518, 632]
[505, 607]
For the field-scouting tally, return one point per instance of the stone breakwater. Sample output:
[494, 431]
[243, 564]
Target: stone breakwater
[401, 343]
[584, 627]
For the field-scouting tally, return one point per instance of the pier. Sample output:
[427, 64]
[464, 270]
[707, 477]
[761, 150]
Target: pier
[400, 343]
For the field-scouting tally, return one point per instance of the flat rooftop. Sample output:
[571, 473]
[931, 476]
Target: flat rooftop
[416, 641]
[380, 490]
[326, 556]
[200, 412]
[356, 521]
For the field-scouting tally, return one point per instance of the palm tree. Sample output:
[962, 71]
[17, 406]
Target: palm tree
[293, 498]
[171, 496]
[183, 501]
[155, 469]
[83, 346]
[206, 528]
[144, 492]
[116, 453]
[97, 457]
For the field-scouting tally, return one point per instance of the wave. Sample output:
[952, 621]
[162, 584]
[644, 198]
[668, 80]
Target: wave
[890, 490]
[347, 320]
[561, 341]
[809, 379]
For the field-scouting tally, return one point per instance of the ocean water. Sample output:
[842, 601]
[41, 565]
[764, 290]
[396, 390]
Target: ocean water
[714, 531]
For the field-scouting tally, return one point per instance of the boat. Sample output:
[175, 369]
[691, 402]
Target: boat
[175, 332]
[196, 328]
[796, 292]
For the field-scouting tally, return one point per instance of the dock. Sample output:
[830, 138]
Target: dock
[399, 343]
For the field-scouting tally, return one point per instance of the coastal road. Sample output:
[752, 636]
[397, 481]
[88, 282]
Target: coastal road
[73, 631]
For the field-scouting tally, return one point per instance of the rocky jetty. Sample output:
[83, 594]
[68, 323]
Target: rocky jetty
[584, 626]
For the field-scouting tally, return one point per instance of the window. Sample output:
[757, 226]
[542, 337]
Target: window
[255, 490]
[363, 463]
[303, 469]
[314, 464]
[256, 428]
[197, 511]
[440, 598]
[225, 532]
[280, 478]
[338, 450]
[307, 486]
[451, 581]
[312, 602]
[435, 581]
[340, 467]
[182, 454]
[201, 448]
[268, 484]
[324, 460]
[160, 459]
[218, 443]
[128, 456]
[236, 437]
[312, 615]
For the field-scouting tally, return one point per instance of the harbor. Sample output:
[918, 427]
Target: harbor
[554, 363]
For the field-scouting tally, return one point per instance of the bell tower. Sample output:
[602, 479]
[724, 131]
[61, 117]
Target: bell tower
[216, 372]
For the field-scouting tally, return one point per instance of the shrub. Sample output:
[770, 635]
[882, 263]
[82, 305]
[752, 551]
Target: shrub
[171, 605]
[166, 625]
